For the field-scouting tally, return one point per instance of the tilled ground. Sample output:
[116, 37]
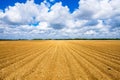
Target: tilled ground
[60, 60]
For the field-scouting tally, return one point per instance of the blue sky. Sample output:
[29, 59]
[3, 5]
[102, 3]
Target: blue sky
[59, 19]
[72, 4]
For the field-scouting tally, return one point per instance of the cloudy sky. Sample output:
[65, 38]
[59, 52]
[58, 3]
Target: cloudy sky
[59, 19]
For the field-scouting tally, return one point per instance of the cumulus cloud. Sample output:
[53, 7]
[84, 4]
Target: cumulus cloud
[92, 19]
[23, 13]
[52, 0]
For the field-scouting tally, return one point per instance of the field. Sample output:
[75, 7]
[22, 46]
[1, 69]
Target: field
[60, 60]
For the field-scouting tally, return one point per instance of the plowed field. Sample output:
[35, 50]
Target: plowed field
[60, 60]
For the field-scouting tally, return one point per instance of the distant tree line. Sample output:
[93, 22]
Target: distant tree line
[82, 39]
[64, 39]
[12, 39]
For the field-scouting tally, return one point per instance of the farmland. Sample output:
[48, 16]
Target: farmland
[60, 60]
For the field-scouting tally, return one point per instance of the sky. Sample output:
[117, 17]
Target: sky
[29, 19]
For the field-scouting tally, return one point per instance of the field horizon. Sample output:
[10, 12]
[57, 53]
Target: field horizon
[63, 39]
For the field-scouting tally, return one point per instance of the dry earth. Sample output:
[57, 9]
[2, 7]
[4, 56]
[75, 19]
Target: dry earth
[60, 60]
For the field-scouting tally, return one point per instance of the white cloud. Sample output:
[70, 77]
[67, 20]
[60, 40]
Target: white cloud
[100, 9]
[25, 13]
[90, 32]
[100, 18]
[52, 0]
[1, 14]
[43, 25]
